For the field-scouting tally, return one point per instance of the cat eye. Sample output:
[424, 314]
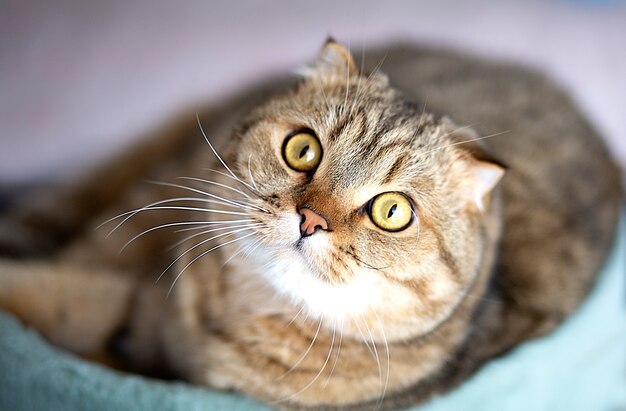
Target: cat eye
[391, 211]
[302, 151]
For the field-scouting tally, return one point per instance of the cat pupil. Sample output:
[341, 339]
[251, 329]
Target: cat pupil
[392, 210]
[304, 151]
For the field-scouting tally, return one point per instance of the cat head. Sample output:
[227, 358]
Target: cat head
[372, 208]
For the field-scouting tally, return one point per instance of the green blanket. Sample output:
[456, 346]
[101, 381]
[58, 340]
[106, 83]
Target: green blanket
[580, 367]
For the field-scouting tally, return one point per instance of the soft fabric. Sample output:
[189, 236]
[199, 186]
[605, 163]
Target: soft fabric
[579, 367]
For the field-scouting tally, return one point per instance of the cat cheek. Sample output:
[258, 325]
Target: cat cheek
[285, 229]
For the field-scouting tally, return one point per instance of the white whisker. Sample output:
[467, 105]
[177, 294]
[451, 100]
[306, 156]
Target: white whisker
[250, 173]
[456, 130]
[249, 252]
[321, 87]
[303, 356]
[202, 223]
[369, 331]
[246, 186]
[207, 224]
[382, 330]
[202, 255]
[466, 141]
[255, 244]
[295, 394]
[421, 120]
[212, 230]
[199, 209]
[357, 93]
[345, 100]
[130, 214]
[196, 246]
[226, 186]
[295, 316]
[195, 190]
[241, 203]
[217, 155]
[363, 336]
[169, 200]
[332, 370]
[164, 201]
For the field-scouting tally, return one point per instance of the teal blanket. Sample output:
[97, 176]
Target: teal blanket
[580, 367]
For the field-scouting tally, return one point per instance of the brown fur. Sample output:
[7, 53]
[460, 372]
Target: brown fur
[479, 271]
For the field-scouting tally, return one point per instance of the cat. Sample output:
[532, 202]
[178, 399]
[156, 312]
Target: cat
[348, 239]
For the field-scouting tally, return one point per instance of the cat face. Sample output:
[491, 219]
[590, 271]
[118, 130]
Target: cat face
[372, 211]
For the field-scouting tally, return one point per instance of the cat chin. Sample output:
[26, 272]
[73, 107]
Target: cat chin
[289, 273]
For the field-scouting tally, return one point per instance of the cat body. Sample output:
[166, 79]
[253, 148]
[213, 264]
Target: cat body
[292, 282]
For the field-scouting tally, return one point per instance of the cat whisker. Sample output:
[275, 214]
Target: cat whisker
[382, 331]
[212, 230]
[359, 79]
[295, 316]
[207, 224]
[458, 143]
[357, 98]
[246, 253]
[250, 173]
[243, 185]
[363, 336]
[479, 297]
[130, 214]
[359, 94]
[198, 245]
[211, 195]
[202, 255]
[345, 101]
[169, 200]
[421, 120]
[332, 370]
[303, 356]
[241, 202]
[330, 350]
[226, 186]
[199, 209]
[419, 227]
[369, 331]
[456, 130]
[378, 66]
[321, 87]
[149, 230]
[217, 155]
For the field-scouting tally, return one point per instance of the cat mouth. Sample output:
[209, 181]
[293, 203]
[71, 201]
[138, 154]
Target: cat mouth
[305, 244]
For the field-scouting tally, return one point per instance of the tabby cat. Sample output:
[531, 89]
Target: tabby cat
[340, 242]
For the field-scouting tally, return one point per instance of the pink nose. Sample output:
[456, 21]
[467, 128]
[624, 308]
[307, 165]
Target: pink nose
[310, 222]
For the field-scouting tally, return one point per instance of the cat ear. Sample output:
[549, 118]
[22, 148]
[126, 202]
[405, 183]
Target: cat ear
[335, 58]
[486, 176]
[485, 172]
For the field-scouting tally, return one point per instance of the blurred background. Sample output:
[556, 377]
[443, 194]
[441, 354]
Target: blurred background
[82, 79]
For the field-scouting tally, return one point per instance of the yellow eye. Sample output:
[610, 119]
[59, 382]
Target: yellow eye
[391, 211]
[302, 152]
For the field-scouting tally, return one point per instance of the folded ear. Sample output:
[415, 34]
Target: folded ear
[484, 170]
[335, 59]
[486, 177]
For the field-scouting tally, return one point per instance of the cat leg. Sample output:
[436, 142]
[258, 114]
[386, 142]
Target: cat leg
[77, 308]
[99, 313]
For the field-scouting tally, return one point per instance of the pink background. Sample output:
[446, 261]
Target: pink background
[80, 79]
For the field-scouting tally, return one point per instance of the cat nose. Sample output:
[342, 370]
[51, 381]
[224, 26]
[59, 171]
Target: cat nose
[311, 221]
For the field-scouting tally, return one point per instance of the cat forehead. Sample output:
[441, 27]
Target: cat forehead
[369, 135]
